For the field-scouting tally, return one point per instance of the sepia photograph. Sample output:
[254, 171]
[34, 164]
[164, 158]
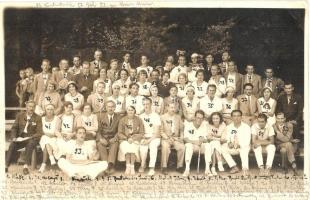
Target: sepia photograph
[136, 101]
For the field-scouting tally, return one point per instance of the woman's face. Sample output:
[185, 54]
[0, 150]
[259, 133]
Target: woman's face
[173, 92]
[49, 110]
[124, 75]
[267, 94]
[50, 87]
[134, 90]
[130, 112]
[214, 70]
[87, 110]
[154, 91]
[182, 80]
[165, 77]
[116, 90]
[142, 77]
[200, 76]
[190, 94]
[103, 74]
[113, 65]
[72, 88]
[230, 93]
[216, 119]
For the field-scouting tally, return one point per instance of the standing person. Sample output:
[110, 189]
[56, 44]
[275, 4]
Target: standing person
[173, 98]
[254, 79]
[76, 68]
[168, 66]
[30, 84]
[194, 64]
[98, 63]
[190, 104]
[285, 142]
[181, 68]
[209, 62]
[144, 85]
[247, 103]
[117, 99]
[21, 87]
[291, 105]
[107, 135]
[171, 131]
[238, 141]
[263, 139]
[76, 98]
[157, 101]
[79, 159]
[274, 83]
[229, 104]
[196, 141]
[130, 133]
[217, 80]
[27, 126]
[51, 128]
[233, 78]
[133, 75]
[216, 134]
[224, 64]
[151, 137]
[126, 63]
[113, 72]
[154, 78]
[123, 82]
[182, 85]
[85, 80]
[135, 100]
[97, 99]
[103, 78]
[200, 85]
[164, 85]
[41, 79]
[50, 96]
[145, 65]
[62, 77]
[267, 105]
[210, 103]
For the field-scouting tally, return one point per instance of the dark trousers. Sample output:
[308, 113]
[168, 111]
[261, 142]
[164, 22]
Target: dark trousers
[105, 155]
[14, 146]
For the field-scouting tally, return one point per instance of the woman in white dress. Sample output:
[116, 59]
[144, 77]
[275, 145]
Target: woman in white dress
[118, 99]
[267, 105]
[123, 82]
[200, 85]
[130, 133]
[190, 104]
[144, 85]
[229, 104]
[217, 80]
[76, 98]
[157, 101]
[50, 127]
[181, 85]
[103, 78]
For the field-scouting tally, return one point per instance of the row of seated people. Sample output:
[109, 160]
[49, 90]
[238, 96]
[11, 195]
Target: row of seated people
[89, 144]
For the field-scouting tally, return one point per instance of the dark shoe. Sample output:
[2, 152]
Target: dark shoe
[25, 171]
[164, 171]
[180, 170]
[234, 170]
[6, 170]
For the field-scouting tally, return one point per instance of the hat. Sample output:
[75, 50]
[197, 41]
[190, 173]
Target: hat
[115, 84]
[267, 88]
[72, 82]
[190, 88]
[194, 55]
[229, 88]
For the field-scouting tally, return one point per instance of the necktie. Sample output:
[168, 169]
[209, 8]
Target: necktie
[65, 75]
[250, 78]
[249, 100]
[27, 124]
[269, 81]
[111, 118]
[288, 100]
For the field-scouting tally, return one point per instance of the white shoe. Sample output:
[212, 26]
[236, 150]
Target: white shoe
[132, 170]
[42, 168]
[128, 170]
[141, 169]
[220, 166]
[213, 171]
[151, 172]
[208, 172]
[52, 159]
[186, 173]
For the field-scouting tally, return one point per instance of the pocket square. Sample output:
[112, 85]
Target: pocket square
[295, 102]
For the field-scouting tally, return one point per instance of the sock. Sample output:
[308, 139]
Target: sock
[52, 159]
[187, 166]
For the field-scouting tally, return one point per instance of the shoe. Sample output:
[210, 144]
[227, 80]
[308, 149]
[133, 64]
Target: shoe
[42, 168]
[186, 173]
[180, 170]
[132, 170]
[220, 166]
[294, 166]
[261, 171]
[234, 170]
[6, 170]
[141, 169]
[164, 171]
[111, 170]
[213, 171]
[128, 170]
[151, 172]
[25, 171]
[267, 171]
[208, 172]
[245, 172]
[52, 160]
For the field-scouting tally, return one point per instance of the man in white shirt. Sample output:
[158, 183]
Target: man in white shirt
[151, 138]
[238, 136]
[210, 103]
[195, 139]
[263, 140]
[175, 72]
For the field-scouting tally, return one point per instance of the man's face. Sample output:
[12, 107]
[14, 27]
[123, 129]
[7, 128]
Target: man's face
[127, 57]
[98, 55]
[171, 108]
[147, 105]
[68, 109]
[45, 66]
[288, 89]
[211, 91]
[22, 74]
[30, 108]
[100, 88]
[64, 65]
[236, 117]
[250, 69]
[133, 72]
[209, 59]
[154, 91]
[182, 61]
[190, 94]
[168, 66]
[248, 90]
[85, 69]
[269, 73]
[170, 58]
[214, 70]
[194, 59]
[134, 90]
[143, 60]
[225, 56]
[114, 65]
[110, 108]
[199, 119]
[80, 135]
[231, 67]
[87, 110]
[76, 61]
[155, 75]
[280, 119]
[50, 87]
[173, 91]
[261, 122]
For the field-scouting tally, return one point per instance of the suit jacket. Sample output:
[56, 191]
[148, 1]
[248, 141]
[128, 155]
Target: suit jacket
[256, 82]
[207, 73]
[177, 102]
[34, 128]
[166, 128]
[102, 64]
[82, 81]
[39, 86]
[106, 130]
[276, 85]
[292, 110]
[285, 135]
[238, 81]
[59, 76]
[246, 109]
[163, 90]
[137, 128]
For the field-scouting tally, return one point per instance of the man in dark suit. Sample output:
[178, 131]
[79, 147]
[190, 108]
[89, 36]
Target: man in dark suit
[233, 78]
[209, 62]
[98, 63]
[27, 125]
[106, 137]
[254, 79]
[224, 64]
[85, 80]
[274, 83]
[291, 105]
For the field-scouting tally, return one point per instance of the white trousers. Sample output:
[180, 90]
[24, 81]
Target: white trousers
[243, 152]
[270, 149]
[92, 170]
[153, 146]
[205, 149]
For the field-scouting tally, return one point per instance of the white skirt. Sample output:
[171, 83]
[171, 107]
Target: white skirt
[47, 140]
[125, 148]
[216, 145]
